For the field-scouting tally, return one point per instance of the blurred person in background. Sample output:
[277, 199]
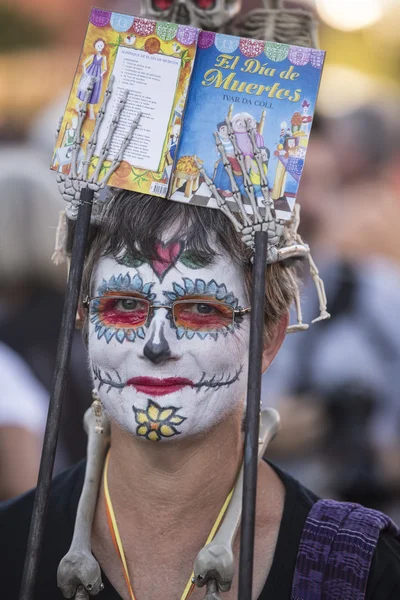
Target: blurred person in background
[31, 302]
[338, 386]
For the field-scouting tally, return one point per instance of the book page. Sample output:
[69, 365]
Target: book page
[143, 75]
[153, 63]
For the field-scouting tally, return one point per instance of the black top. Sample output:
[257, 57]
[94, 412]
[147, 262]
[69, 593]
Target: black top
[384, 581]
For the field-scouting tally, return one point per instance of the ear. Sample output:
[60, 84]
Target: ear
[276, 340]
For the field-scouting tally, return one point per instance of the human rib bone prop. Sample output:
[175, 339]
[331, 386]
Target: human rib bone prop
[214, 566]
[79, 573]
[284, 241]
[191, 12]
[70, 186]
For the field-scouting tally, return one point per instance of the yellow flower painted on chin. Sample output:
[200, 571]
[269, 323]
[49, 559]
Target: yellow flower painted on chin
[157, 422]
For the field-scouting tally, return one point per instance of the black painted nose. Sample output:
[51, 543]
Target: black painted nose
[159, 351]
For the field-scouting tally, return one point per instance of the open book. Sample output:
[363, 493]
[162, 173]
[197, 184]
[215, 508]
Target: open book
[186, 82]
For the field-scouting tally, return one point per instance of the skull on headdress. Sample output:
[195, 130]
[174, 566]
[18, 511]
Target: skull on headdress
[206, 14]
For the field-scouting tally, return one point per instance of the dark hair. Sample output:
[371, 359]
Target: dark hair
[134, 223]
[220, 125]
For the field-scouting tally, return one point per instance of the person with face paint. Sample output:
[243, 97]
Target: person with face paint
[165, 304]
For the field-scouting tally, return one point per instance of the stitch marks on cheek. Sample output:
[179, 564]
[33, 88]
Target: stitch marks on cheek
[157, 422]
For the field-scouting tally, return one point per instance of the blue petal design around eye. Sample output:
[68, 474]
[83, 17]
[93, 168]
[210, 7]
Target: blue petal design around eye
[189, 285]
[171, 296]
[130, 335]
[109, 334]
[126, 283]
[120, 280]
[178, 289]
[100, 331]
[137, 282]
[112, 283]
[214, 336]
[180, 332]
[222, 292]
[94, 318]
[201, 335]
[190, 334]
[212, 287]
[200, 286]
[151, 297]
[230, 298]
[120, 335]
[141, 333]
[147, 288]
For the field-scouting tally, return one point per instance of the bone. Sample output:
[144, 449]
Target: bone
[79, 573]
[77, 138]
[222, 204]
[93, 138]
[235, 189]
[107, 142]
[215, 562]
[117, 161]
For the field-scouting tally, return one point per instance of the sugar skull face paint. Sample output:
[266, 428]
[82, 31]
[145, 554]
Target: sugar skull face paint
[168, 343]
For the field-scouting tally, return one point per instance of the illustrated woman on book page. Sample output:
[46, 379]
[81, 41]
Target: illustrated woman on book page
[95, 66]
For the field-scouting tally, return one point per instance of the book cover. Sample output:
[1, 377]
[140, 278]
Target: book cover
[276, 87]
[154, 62]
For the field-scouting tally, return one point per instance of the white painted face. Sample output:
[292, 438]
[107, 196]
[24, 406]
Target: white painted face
[163, 380]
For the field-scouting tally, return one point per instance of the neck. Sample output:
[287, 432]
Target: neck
[177, 478]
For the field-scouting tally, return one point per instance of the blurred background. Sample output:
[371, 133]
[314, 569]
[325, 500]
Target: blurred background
[335, 386]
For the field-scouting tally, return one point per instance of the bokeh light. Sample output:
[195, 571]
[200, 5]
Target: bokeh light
[349, 15]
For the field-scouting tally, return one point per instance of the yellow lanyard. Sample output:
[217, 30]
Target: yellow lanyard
[116, 538]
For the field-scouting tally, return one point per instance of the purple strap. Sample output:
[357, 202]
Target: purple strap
[336, 551]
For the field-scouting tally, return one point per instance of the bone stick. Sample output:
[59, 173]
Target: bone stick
[247, 181]
[117, 161]
[79, 567]
[264, 181]
[216, 561]
[77, 138]
[106, 146]
[228, 168]
[93, 138]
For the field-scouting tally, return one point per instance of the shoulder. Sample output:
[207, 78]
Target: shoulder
[15, 518]
[384, 576]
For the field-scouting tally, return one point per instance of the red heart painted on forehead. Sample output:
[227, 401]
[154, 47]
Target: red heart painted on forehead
[169, 254]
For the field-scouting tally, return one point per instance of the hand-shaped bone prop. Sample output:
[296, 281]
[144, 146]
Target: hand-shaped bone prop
[79, 573]
[80, 193]
[214, 565]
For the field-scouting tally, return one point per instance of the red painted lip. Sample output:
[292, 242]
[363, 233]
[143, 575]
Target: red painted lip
[159, 387]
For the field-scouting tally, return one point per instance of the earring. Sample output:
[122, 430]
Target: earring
[97, 408]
